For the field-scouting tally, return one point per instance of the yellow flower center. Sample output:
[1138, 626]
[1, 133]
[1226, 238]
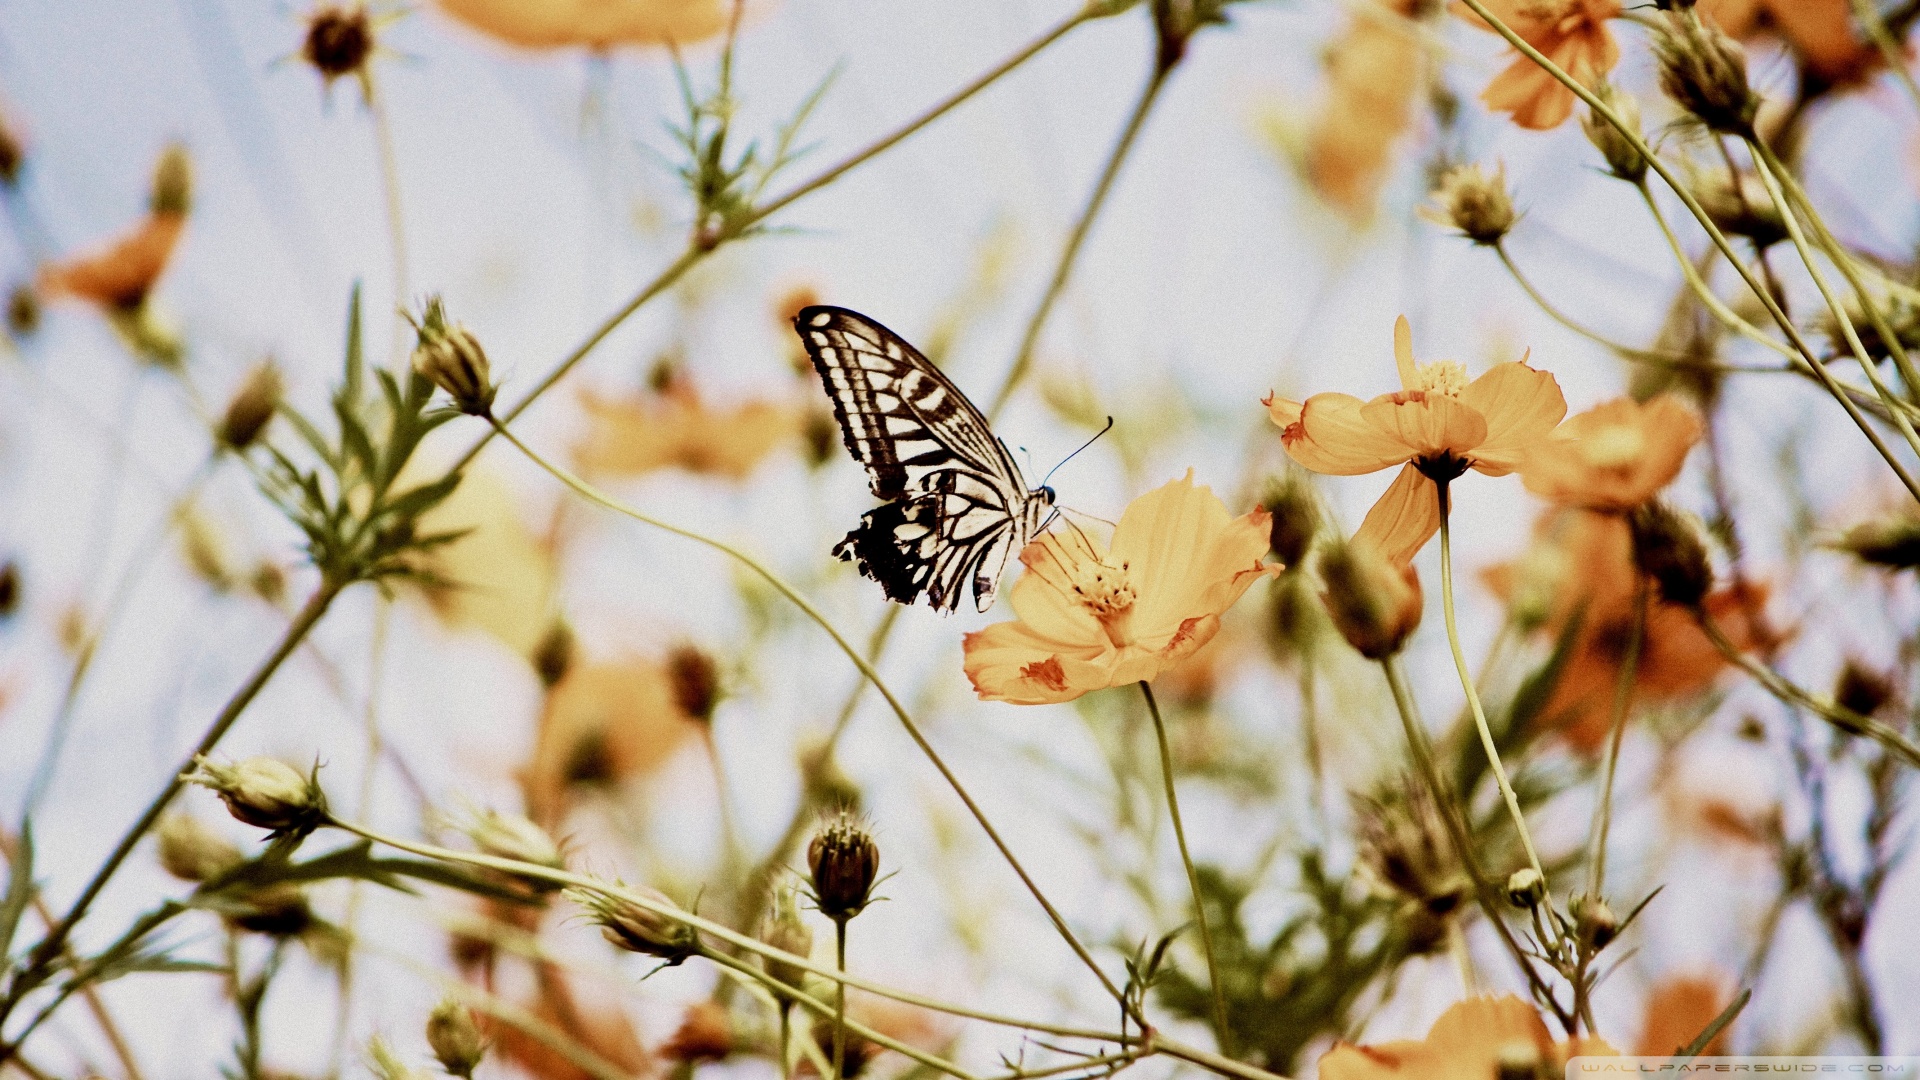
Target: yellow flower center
[1104, 589]
[1447, 377]
[1615, 447]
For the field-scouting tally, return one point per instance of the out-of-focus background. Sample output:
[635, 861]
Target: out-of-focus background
[536, 192]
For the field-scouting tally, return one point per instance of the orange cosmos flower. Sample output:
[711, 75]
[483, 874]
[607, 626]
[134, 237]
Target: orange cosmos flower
[1437, 427]
[119, 274]
[1820, 33]
[1373, 77]
[1092, 618]
[1615, 455]
[604, 723]
[1471, 1041]
[559, 24]
[1679, 1009]
[674, 428]
[1572, 34]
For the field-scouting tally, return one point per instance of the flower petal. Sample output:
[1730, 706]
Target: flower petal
[1404, 519]
[1403, 353]
[1521, 404]
[1333, 437]
[1009, 662]
[1431, 424]
[1187, 558]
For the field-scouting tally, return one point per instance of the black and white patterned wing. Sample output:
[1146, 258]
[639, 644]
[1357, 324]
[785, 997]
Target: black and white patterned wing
[956, 502]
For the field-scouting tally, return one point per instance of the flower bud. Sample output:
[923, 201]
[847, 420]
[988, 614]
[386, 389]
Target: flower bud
[1404, 847]
[252, 407]
[9, 588]
[553, 657]
[1668, 548]
[339, 40]
[629, 926]
[455, 1038]
[1526, 888]
[1705, 72]
[1593, 922]
[191, 851]
[1891, 542]
[1295, 519]
[843, 862]
[450, 357]
[695, 680]
[859, 1054]
[1862, 690]
[1740, 205]
[1475, 203]
[263, 792]
[172, 182]
[705, 1034]
[1374, 604]
[23, 310]
[784, 930]
[279, 911]
[510, 836]
[1622, 158]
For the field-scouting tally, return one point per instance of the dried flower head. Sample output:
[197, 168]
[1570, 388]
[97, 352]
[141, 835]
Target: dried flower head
[1740, 205]
[639, 929]
[264, 792]
[1705, 72]
[1475, 202]
[1623, 159]
[1404, 846]
[784, 930]
[455, 1038]
[1892, 541]
[1862, 689]
[339, 40]
[1594, 923]
[450, 357]
[1668, 547]
[252, 407]
[191, 851]
[172, 194]
[696, 680]
[279, 911]
[510, 836]
[843, 863]
[1374, 603]
[23, 310]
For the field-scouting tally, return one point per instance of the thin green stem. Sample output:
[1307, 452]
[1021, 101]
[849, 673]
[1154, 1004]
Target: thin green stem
[1221, 1033]
[1632, 134]
[840, 1000]
[52, 945]
[1648, 356]
[396, 218]
[1063, 267]
[1622, 704]
[1867, 14]
[1473, 694]
[806, 606]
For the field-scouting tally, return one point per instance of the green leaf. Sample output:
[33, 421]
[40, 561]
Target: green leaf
[19, 888]
[356, 357]
[423, 498]
[1707, 1035]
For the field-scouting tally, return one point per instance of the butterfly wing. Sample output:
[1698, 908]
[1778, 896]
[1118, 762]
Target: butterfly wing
[956, 500]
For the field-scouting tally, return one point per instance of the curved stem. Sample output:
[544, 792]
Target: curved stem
[1063, 268]
[1647, 356]
[806, 606]
[1622, 704]
[1221, 1032]
[1473, 694]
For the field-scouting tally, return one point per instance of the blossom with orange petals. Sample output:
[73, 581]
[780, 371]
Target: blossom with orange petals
[1471, 1041]
[1437, 427]
[675, 428]
[1615, 455]
[603, 723]
[1572, 34]
[1373, 79]
[1090, 618]
[1680, 1008]
[119, 274]
[1820, 33]
[599, 24]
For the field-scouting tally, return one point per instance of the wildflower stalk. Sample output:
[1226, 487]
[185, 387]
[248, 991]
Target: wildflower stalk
[1633, 137]
[1867, 15]
[698, 250]
[1791, 694]
[396, 219]
[780, 585]
[1622, 703]
[370, 719]
[1554, 313]
[1063, 267]
[840, 1000]
[50, 947]
[1220, 1031]
[1421, 749]
[1473, 694]
[1838, 310]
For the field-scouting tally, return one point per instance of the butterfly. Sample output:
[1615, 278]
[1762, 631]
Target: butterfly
[956, 507]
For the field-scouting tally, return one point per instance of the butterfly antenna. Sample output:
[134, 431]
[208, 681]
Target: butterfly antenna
[1076, 453]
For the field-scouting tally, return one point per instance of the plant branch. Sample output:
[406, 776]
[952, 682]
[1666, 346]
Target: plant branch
[1221, 1032]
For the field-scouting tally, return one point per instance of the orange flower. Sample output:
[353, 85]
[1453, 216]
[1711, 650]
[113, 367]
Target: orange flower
[603, 724]
[1678, 1010]
[498, 575]
[1373, 77]
[1470, 1041]
[1437, 427]
[1090, 619]
[559, 24]
[118, 275]
[1819, 32]
[1615, 455]
[1572, 34]
[673, 428]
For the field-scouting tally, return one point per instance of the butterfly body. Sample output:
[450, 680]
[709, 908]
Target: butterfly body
[956, 507]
